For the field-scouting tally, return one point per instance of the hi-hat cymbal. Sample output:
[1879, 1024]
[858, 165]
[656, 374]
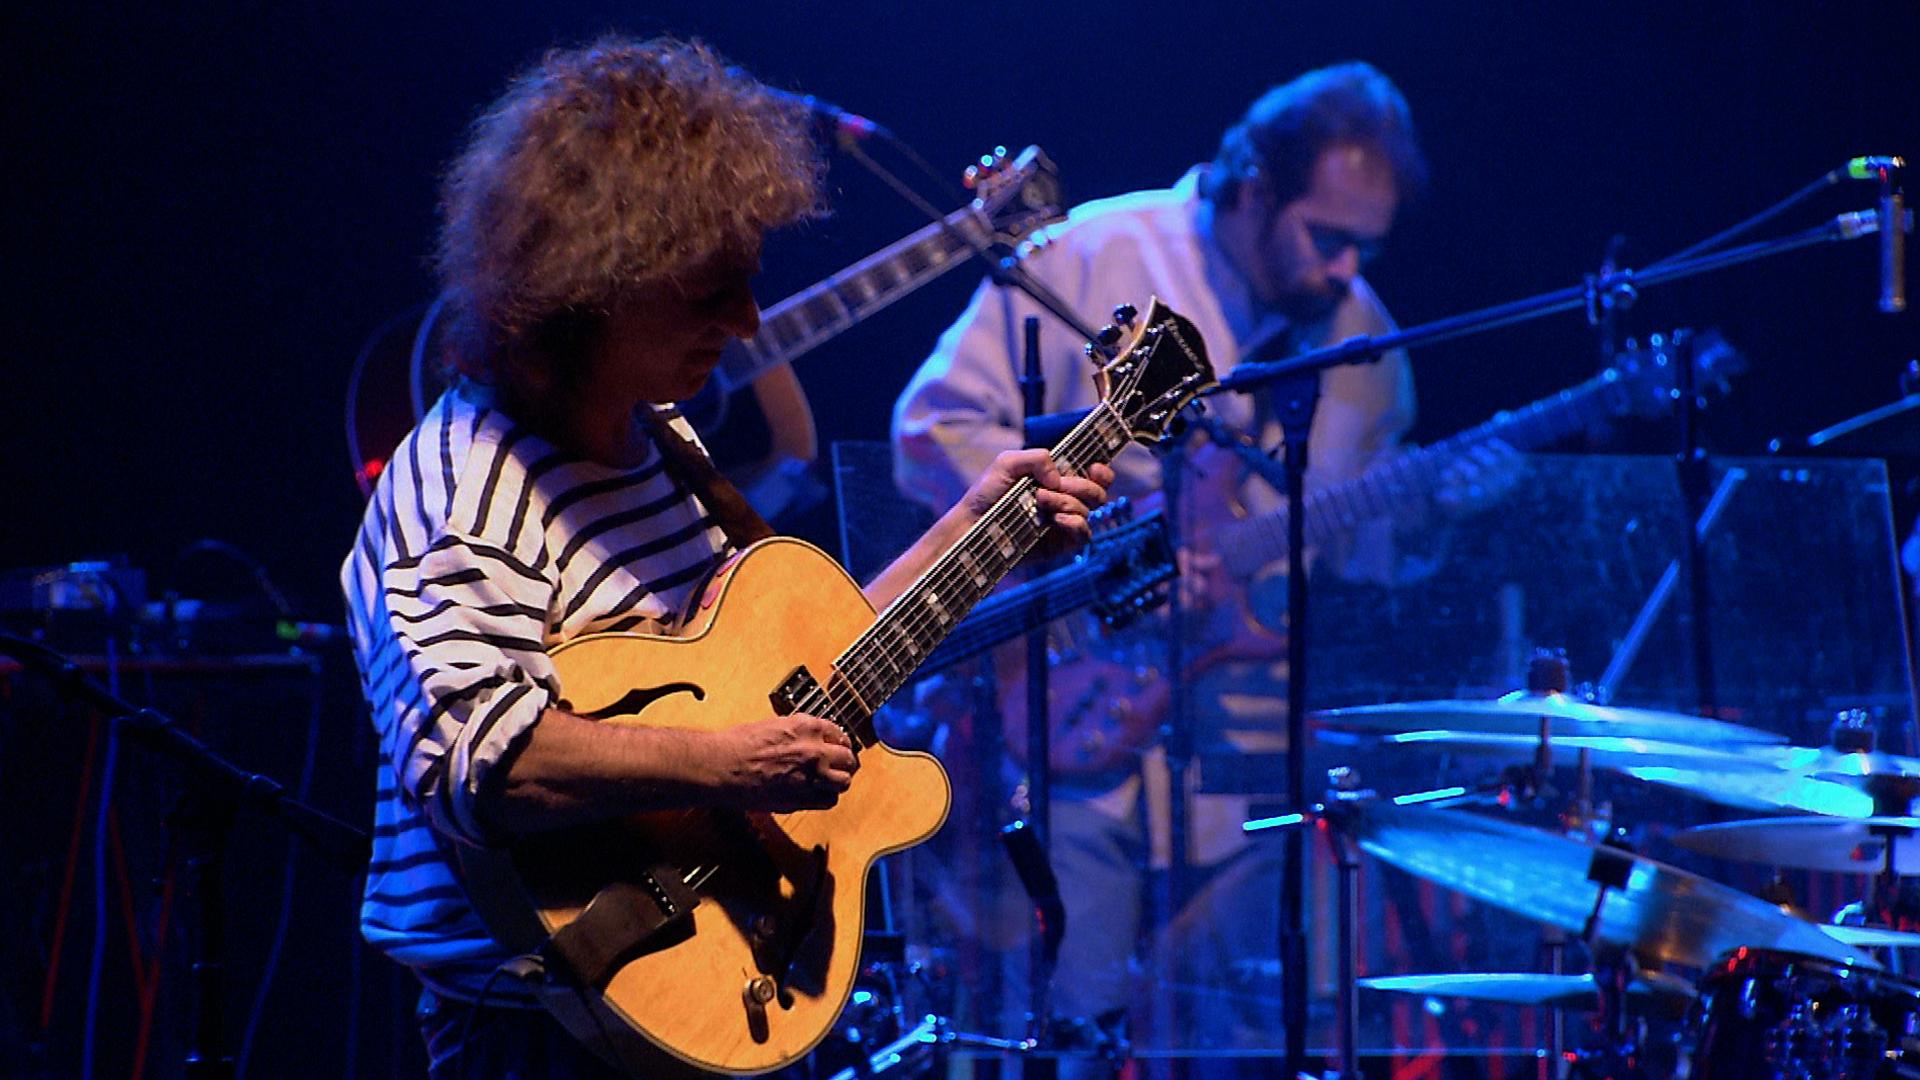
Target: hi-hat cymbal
[1872, 937]
[1838, 845]
[1746, 777]
[1849, 765]
[1530, 988]
[1660, 910]
[1522, 713]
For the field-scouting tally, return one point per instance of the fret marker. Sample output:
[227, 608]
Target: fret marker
[972, 566]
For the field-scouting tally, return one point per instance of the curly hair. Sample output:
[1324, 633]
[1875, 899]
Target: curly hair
[602, 168]
[1284, 132]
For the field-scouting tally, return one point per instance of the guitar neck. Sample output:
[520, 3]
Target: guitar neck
[1246, 546]
[915, 624]
[802, 322]
[1017, 611]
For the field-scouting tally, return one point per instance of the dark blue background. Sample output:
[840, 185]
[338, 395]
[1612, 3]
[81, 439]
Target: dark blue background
[211, 208]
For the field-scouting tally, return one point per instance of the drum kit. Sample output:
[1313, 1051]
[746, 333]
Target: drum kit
[1688, 977]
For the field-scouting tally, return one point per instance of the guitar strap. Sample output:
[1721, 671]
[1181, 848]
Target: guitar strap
[690, 466]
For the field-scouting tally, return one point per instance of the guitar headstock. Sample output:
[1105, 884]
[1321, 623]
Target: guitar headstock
[1650, 373]
[1159, 367]
[1132, 562]
[1015, 196]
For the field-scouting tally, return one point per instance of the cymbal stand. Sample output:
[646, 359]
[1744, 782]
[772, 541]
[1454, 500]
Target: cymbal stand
[1346, 855]
[1618, 1056]
[1344, 793]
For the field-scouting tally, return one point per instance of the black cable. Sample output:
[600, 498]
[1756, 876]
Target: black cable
[304, 794]
[1828, 180]
[355, 374]
[940, 181]
[255, 567]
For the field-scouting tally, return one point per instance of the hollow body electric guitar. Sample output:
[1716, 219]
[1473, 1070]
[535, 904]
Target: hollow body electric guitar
[728, 941]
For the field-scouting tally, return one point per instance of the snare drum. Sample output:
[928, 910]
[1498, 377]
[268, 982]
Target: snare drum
[1763, 1015]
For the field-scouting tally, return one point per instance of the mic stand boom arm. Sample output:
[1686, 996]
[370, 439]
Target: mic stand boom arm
[1588, 295]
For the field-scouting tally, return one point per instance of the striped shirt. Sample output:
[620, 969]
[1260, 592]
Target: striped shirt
[482, 548]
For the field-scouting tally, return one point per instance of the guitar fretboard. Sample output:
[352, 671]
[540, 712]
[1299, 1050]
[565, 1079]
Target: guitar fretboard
[906, 633]
[1246, 546]
[807, 319]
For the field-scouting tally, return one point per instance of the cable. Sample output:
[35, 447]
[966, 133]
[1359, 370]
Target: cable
[354, 377]
[1717, 239]
[272, 966]
[254, 566]
[940, 181]
[97, 965]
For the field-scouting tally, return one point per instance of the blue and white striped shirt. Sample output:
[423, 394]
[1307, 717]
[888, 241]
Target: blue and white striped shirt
[482, 548]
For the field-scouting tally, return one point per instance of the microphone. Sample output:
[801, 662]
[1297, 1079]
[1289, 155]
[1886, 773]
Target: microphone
[834, 123]
[1871, 168]
[1889, 219]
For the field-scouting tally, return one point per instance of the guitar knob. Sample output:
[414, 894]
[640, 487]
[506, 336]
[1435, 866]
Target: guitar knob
[759, 990]
[1125, 314]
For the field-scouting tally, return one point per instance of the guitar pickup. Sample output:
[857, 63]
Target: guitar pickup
[794, 689]
[801, 687]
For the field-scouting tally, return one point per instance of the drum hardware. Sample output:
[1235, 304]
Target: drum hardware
[1769, 1013]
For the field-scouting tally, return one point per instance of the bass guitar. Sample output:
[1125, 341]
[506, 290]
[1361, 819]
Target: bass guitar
[1110, 693]
[725, 941]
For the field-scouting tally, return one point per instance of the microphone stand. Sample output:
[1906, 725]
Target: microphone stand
[218, 790]
[1043, 950]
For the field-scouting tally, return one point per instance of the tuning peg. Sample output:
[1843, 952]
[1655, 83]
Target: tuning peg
[1125, 314]
[1108, 335]
[1095, 353]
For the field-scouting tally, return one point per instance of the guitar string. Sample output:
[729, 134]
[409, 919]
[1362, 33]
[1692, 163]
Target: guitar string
[918, 617]
[1088, 439]
[1007, 521]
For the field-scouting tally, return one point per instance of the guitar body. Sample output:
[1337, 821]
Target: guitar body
[788, 902]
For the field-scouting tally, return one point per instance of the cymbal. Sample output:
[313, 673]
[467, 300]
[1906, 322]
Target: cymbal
[1521, 714]
[1838, 845]
[1825, 761]
[1530, 988]
[1607, 751]
[1660, 911]
[1872, 937]
[1743, 776]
